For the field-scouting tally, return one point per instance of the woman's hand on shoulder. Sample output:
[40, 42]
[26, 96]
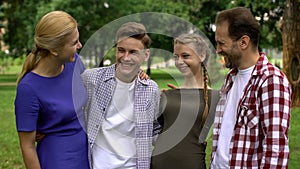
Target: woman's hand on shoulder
[170, 86]
[144, 76]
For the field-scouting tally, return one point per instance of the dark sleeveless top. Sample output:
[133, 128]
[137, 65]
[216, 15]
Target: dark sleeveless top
[177, 146]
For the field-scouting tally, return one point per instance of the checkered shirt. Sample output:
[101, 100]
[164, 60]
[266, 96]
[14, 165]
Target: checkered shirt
[260, 138]
[100, 84]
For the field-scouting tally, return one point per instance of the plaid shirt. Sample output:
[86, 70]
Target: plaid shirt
[260, 137]
[100, 84]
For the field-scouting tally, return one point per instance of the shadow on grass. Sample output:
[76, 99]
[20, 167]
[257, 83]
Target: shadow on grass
[7, 87]
[8, 82]
[8, 78]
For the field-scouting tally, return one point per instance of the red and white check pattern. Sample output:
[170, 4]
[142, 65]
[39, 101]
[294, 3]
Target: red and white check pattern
[260, 138]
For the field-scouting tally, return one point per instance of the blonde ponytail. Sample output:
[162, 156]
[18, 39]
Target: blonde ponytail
[30, 62]
[51, 32]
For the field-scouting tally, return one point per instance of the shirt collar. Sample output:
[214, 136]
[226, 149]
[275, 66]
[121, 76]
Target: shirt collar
[111, 74]
[258, 70]
[260, 65]
[262, 60]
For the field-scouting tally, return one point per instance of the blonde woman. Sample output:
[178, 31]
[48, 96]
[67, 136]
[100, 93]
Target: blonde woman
[185, 109]
[45, 102]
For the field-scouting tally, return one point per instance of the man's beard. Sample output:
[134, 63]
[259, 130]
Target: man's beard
[231, 61]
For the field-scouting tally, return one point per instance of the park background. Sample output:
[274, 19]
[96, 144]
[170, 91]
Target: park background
[19, 17]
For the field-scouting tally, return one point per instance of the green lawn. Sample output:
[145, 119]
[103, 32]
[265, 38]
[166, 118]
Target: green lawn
[10, 154]
[8, 78]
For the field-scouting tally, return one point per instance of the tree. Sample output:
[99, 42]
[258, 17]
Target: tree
[268, 14]
[291, 47]
[22, 16]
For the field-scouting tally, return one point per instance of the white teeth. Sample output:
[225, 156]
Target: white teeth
[126, 64]
[183, 67]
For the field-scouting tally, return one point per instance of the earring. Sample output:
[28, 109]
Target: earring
[54, 53]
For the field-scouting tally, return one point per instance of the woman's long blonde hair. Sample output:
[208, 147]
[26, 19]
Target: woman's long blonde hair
[51, 32]
[199, 45]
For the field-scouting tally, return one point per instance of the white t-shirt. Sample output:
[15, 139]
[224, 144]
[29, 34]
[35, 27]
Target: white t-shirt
[221, 159]
[115, 144]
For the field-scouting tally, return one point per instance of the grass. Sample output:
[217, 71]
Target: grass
[163, 78]
[10, 154]
[294, 138]
[8, 78]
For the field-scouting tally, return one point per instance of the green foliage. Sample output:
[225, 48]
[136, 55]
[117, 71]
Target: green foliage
[269, 13]
[9, 64]
[22, 16]
[20, 25]
[203, 14]
[19, 61]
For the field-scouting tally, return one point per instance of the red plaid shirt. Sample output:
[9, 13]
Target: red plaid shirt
[260, 137]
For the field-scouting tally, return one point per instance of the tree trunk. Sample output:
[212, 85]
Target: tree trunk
[291, 47]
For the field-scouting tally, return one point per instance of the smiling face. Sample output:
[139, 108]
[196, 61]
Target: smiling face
[186, 60]
[130, 54]
[227, 47]
[68, 51]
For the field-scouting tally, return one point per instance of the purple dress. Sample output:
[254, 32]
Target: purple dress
[53, 106]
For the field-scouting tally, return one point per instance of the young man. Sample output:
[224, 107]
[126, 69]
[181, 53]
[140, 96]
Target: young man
[122, 109]
[253, 114]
